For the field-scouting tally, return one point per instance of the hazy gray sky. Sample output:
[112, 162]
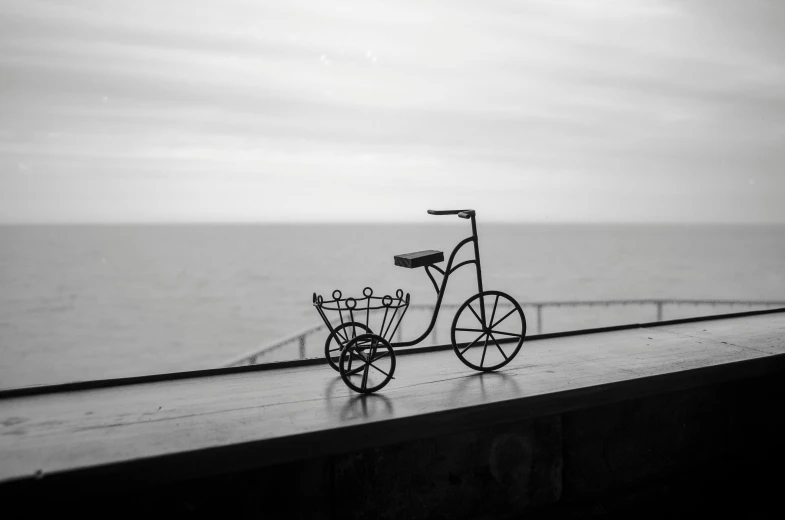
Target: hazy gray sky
[195, 110]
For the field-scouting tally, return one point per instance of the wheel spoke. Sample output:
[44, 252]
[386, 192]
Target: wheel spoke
[384, 354]
[472, 343]
[497, 346]
[470, 330]
[352, 354]
[357, 370]
[475, 314]
[494, 309]
[371, 353]
[379, 369]
[363, 359]
[364, 383]
[506, 333]
[484, 348]
[360, 355]
[504, 318]
[380, 356]
[367, 360]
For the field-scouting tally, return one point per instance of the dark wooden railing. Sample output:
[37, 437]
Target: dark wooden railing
[659, 419]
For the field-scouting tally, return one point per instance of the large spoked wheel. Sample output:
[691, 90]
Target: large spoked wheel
[338, 339]
[488, 340]
[367, 363]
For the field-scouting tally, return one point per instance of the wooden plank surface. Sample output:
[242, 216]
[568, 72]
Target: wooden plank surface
[253, 419]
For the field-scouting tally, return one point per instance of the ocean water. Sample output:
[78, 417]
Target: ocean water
[86, 302]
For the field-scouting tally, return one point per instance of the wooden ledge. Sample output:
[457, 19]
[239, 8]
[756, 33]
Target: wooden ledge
[170, 429]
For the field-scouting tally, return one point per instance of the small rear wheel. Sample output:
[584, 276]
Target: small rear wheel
[339, 337]
[488, 330]
[367, 363]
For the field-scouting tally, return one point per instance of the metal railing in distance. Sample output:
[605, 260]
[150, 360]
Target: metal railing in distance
[309, 343]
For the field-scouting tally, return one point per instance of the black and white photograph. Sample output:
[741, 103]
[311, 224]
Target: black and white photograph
[392, 259]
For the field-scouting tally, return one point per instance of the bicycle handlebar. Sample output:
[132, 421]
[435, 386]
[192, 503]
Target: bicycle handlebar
[463, 213]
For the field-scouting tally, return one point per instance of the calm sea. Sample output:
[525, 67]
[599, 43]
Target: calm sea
[84, 302]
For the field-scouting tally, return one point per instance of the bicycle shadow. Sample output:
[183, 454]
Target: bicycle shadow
[483, 384]
[478, 387]
[365, 406]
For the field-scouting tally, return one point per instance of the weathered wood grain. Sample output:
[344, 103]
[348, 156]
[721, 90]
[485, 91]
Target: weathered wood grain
[253, 419]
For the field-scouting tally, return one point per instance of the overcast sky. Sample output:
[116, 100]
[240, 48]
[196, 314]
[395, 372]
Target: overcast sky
[196, 110]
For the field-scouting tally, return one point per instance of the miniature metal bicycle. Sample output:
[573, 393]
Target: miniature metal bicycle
[365, 358]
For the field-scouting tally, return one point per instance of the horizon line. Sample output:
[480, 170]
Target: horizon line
[434, 221]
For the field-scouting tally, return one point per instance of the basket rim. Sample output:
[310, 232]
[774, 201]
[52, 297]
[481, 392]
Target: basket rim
[350, 303]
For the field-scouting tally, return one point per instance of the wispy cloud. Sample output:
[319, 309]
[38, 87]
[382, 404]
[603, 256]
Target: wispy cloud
[240, 110]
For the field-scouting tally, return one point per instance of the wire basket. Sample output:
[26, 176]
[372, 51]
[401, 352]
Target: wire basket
[381, 315]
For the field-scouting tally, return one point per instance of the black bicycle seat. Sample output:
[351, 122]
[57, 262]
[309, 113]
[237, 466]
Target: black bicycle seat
[419, 259]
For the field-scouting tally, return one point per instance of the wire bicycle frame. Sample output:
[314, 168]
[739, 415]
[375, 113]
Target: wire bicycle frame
[389, 303]
[445, 277]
